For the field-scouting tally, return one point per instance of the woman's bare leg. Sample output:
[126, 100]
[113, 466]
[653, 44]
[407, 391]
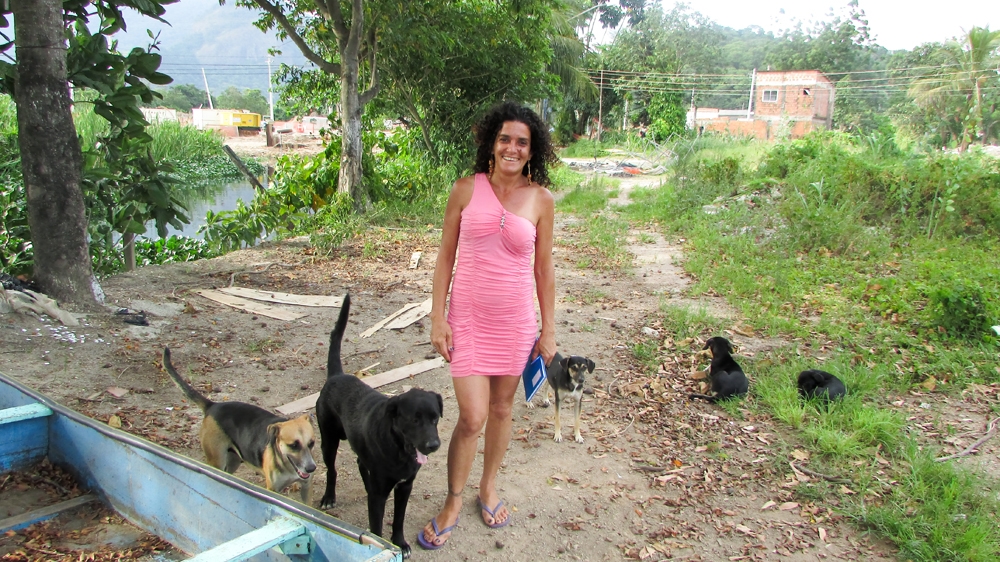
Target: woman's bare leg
[473, 396]
[498, 428]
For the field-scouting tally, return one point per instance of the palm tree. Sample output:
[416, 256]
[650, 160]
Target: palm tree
[972, 64]
[567, 54]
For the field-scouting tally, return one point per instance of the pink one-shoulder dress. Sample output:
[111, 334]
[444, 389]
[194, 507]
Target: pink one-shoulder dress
[492, 306]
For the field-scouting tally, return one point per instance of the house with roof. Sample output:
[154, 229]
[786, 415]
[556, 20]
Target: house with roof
[792, 103]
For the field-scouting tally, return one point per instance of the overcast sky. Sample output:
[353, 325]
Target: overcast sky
[895, 24]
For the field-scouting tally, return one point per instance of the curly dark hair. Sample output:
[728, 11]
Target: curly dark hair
[486, 130]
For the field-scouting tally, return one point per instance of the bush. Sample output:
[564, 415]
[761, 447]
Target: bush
[962, 306]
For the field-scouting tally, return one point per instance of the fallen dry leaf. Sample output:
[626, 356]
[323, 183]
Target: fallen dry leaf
[846, 490]
[788, 506]
[822, 533]
[768, 505]
[117, 391]
[115, 421]
[800, 455]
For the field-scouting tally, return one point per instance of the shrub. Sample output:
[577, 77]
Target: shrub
[961, 305]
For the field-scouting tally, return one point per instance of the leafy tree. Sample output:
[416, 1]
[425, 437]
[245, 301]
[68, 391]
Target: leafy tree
[183, 97]
[337, 39]
[971, 80]
[441, 76]
[51, 155]
[666, 115]
[250, 100]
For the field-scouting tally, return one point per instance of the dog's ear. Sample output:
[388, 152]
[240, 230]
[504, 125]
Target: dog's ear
[708, 344]
[564, 364]
[590, 366]
[273, 431]
[392, 408]
[440, 404]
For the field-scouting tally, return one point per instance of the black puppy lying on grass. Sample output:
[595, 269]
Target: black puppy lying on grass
[820, 384]
[725, 374]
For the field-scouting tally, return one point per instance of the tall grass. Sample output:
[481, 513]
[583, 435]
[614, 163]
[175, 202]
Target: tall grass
[176, 142]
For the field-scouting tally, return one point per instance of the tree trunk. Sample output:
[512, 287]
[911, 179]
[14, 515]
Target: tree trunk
[51, 161]
[351, 150]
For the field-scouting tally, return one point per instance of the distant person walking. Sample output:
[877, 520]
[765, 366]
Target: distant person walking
[500, 217]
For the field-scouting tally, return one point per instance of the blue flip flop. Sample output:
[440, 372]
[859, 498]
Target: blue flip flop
[428, 545]
[493, 513]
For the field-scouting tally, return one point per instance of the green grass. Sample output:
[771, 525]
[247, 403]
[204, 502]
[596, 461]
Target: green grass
[811, 242]
[564, 178]
[587, 198]
[586, 148]
[176, 142]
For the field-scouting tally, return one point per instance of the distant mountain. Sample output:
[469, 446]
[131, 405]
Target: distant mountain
[219, 39]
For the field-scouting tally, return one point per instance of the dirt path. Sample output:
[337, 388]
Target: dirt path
[657, 476]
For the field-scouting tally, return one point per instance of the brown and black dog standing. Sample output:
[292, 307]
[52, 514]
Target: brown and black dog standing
[565, 379]
[237, 432]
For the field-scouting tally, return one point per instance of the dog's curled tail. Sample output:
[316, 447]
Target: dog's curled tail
[333, 363]
[189, 391]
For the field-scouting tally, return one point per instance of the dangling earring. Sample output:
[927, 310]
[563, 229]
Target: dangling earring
[490, 172]
[529, 173]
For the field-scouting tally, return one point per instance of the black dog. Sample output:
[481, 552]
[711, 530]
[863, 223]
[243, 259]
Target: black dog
[565, 377]
[820, 384]
[391, 436]
[725, 374]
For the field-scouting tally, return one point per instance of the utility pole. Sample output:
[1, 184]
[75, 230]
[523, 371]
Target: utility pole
[205, 78]
[600, 106]
[753, 82]
[270, 91]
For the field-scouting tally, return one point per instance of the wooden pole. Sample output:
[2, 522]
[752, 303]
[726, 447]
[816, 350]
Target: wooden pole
[600, 106]
[242, 167]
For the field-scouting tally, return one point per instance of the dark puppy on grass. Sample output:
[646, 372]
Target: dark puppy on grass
[820, 384]
[725, 374]
[391, 436]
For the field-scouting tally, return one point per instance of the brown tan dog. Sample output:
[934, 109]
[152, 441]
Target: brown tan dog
[234, 432]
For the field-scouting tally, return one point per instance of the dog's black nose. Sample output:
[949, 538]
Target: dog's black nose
[433, 445]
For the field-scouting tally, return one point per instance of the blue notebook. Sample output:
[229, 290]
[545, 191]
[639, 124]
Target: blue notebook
[534, 377]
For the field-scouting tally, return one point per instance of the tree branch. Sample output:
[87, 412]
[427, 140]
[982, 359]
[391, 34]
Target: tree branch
[339, 28]
[990, 432]
[373, 84]
[312, 56]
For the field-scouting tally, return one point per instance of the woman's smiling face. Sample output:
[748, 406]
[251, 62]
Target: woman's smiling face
[512, 149]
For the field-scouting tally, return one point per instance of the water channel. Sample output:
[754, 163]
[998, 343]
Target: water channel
[215, 197]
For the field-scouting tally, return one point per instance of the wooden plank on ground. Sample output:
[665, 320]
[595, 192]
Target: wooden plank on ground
[249, 305]
[410, 316]
[374, 381]
[378, 326]
[415, 260]
[285, 298]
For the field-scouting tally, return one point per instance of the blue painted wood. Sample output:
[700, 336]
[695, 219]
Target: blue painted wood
[30, 518]
[254, 542]
[193, 506]
[23, 443]
[26, 412]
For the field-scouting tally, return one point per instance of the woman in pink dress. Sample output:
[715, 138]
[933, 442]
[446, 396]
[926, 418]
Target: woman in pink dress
[494, 223]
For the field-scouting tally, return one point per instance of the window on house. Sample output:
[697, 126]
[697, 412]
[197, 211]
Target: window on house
[769, 95]
[806, 92]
